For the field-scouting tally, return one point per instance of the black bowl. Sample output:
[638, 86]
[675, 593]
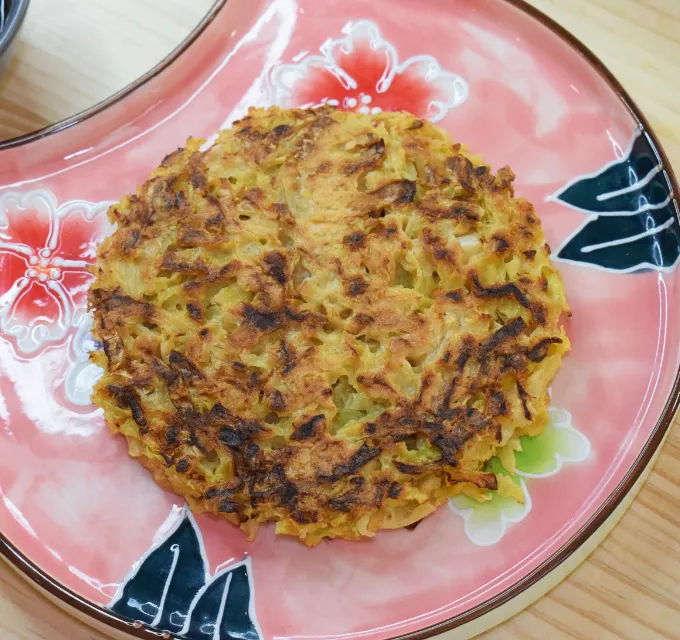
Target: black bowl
[15, 11]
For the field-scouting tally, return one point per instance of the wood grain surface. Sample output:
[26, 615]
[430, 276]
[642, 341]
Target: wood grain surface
[74, 53]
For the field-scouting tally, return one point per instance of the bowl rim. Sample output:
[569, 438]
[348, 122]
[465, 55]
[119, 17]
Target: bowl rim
[13, 21]
[102, 616]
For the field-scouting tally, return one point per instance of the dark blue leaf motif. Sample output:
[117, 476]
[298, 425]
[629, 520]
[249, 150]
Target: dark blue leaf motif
[625, 186]
[164, 585]
[172, 591]
[633, 224]
[225, 605]
[644, 241]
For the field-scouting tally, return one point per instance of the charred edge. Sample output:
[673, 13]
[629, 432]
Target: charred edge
[171, 157]
[359, 459]
[272, 320]
[215, 222]
[373, 159]
[344, 502]
[501, 244]
[276, 401]
[185, 366]
[504, 179]
[107, 301]
[287, 355]
[169, 262]
[134, 236]
[252, 451]
[127, 398]
[113, 349]
[262, 320]
[193, 237]
[275, 266]
[469, 422]
[539, 312]
[497, 404]
[416, 124]
[463, 170]
[511, 330]
[230, 437]
[304, 517]
[197, 177]
[273, 482]
[309, 429]
[539, 351]
[282, 130]
[169, 375]
[228, 506]
[530, 254]
[380, 488]
[500, 291]
[466, 210]
[354, 241]
[483, 481]
[182, 466]
[409, 469]
[194, 440]
[426, 383]
[446, 402]
[363, 319]
[289, 496]
[398, 192]
[195, 311]
[524, 398]
[466, 351]
[374, 381]
[251, 134]
[172, 435]
[449, 447]
[221, 492]
[456, 295]
[394, 491]
[356, 286]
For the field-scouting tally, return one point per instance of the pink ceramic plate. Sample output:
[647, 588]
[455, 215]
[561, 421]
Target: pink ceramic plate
[89, 525]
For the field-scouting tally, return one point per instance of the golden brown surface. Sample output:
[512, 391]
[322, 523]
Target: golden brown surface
[627, 587]
[328, 320]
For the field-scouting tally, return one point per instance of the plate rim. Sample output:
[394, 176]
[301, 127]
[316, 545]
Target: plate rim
[61, 594]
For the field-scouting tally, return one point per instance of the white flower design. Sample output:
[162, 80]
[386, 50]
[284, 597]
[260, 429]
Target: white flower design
[361, 72]
[487, 522]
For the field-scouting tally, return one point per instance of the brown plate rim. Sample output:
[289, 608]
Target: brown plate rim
[102, 615]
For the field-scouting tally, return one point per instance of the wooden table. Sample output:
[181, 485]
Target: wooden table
[73, 53]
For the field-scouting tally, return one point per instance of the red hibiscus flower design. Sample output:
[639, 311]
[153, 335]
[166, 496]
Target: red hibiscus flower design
[361, 72]
[45, 250]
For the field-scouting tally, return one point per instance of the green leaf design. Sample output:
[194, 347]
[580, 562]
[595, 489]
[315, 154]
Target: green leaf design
[486, 522]
[542, 456]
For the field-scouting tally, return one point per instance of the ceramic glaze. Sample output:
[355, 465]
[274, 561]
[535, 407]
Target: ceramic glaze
[76, 508]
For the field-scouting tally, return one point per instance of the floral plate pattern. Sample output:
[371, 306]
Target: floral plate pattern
[76, 511]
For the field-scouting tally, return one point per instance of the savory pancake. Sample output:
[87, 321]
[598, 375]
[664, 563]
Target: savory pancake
[328, 320]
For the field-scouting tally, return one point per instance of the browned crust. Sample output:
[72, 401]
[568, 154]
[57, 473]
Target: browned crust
[238, 402]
